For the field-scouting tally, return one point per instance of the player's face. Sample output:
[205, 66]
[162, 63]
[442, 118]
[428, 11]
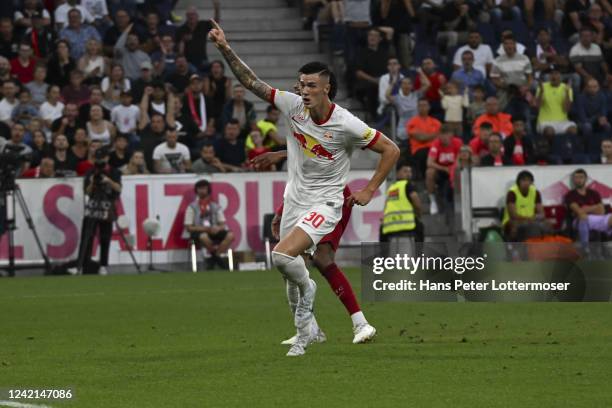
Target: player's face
[314, 89]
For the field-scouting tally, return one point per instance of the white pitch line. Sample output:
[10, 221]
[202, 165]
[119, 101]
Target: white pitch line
[14, 404]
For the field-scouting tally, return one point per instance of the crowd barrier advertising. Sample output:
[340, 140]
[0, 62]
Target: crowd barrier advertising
[56, 206]
[490, 184]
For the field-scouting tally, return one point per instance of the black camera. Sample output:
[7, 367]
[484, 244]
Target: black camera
[99, 164]
[11, 161]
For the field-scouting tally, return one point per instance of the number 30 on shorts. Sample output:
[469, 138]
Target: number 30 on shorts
[315, 219]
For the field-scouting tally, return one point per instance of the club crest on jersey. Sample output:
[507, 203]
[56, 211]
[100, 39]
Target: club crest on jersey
[301, 118]
[311, 147]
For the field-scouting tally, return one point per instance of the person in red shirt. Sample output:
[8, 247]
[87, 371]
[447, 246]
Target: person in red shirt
[422, 131]
[441, 159]
[436, 80]
[480, 143]
[22, 67]
[501, 122]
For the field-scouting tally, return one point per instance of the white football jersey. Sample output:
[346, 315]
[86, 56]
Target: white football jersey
[318, 154]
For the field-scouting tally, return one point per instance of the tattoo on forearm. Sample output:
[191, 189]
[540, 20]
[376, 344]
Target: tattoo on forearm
[245, 75]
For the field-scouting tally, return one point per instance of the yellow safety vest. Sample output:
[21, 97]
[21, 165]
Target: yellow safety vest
[525, 206]
[399, 213]
[264, 127]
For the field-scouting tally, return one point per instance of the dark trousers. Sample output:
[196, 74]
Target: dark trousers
[90, 227]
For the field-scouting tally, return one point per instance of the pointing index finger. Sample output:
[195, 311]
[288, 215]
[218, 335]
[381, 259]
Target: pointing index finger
[215, 24]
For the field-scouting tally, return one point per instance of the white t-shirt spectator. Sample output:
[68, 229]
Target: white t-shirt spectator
[172, 158]
[61, 14]
[482, 56]
[6, 109]
[19, 15]
[520, 49]
[50, 112]
[125, 117]
[97, 8]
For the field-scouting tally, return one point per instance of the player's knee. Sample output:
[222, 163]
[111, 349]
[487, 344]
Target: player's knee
[281, 260]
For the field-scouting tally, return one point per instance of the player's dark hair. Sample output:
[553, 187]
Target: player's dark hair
[524, 175]
[323, 70]
[202, 183]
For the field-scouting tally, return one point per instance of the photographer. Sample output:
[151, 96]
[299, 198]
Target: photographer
[102, 186]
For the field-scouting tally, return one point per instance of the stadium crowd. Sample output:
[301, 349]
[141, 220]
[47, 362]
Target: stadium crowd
[129, 76]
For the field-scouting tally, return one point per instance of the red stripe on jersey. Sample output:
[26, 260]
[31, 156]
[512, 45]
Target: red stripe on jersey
[373, 141]
[272, 95]
[331, 110]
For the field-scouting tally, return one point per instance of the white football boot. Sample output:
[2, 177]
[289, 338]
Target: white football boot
[317, 335]
[303, 321]
[363, 333]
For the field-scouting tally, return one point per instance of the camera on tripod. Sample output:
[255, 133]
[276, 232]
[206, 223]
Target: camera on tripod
[11, 161]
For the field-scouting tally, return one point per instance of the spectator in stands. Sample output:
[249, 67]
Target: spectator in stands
[137, 164]
[77, 34]
[65, 162]
[181, 75]
[495, 157]
[588, 59]
[41, 36]
[546, 58]
[164, 59]
[205, 222]
[122, 22]
[93, 64]
[38, 87]
[500, 121]
[606, 151]
[397, 15]
[357, 23]
[520, 48]
[5, 70]
[99, 128]
[523, 207]
[256, 147]
[554, 101]
[62, 14]
[482, 54]
[370, 66]
[231, 149]
[125, 116]
[511, 71]
[146, 79]
[476, 107]
[268, 130]
[16, 141]
[422, 131]
[120, 154]
[219, 89]
[406, 104]
[196, 106]
[85, 165]
[8, 39]
[518, 147]
[456, 22]
[436, 82]
[586, 208]
[152, 32]
[240, 109]
[9, 101]
[113, 85]
[60, 65]
[76, 92]
[171, 157]
[128, 54]
[479, 145]
[29, 10]
[52, 108]
[192, 36]
[96, 97]
[22, 66]
[80, 147]
[572, 18]
[453, 104]
[26, 110]
[152, 130]
[208, 162]
[592, 110]
[45, 169]
[99, 13]
[389, 81]
[40, 147]
[67, 124]
[467, 76]
[441, 160]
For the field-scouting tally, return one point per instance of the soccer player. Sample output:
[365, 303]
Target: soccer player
[319, 160]
[324, 260]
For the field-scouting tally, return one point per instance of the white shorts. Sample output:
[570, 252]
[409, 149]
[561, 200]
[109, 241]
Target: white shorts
[558, 127]
[316, 221]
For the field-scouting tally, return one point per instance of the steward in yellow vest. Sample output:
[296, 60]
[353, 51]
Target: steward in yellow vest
[402, 206]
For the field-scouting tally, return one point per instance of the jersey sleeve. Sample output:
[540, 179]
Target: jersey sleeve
[287, 102]
[359, 134]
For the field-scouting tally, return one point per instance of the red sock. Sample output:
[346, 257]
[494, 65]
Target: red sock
[342, 288]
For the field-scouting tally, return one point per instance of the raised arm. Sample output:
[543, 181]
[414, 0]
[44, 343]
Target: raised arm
[243, 73]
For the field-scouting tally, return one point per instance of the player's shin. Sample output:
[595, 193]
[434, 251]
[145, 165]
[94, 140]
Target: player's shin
[293, 269]
[293, 295]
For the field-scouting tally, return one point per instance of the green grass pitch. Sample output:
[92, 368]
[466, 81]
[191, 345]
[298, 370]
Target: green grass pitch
[212, 340]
